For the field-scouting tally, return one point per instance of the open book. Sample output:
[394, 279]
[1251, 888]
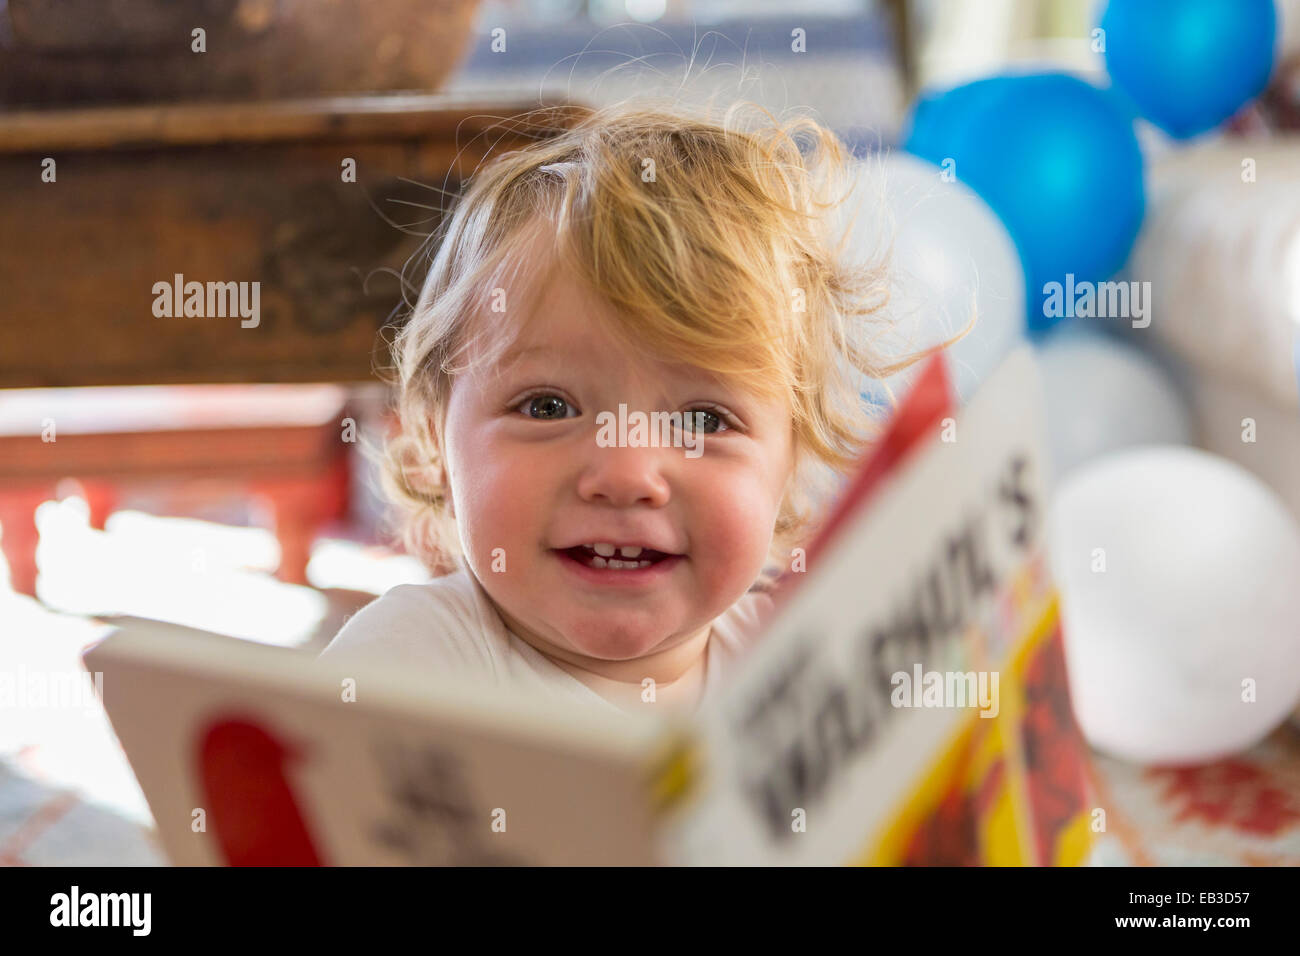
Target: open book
[907, 704]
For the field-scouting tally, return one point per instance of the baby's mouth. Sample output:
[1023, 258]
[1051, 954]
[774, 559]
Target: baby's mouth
[621, 559]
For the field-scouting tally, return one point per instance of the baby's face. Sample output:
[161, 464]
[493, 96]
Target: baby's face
[530, 483]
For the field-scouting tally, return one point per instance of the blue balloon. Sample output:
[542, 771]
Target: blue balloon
[1057, 160]
[1188, 65]
[938, 121]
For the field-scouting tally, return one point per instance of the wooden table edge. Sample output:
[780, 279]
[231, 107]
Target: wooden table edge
[384, 116]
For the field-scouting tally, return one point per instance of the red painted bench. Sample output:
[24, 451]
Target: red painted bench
[285, 443]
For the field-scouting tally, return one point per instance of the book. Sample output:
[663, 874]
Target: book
[906, 703]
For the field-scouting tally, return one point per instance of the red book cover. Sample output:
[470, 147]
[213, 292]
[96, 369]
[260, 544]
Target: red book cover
[918, 416]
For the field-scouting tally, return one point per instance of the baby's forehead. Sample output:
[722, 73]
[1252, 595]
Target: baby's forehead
[575, 348]
[551, 322]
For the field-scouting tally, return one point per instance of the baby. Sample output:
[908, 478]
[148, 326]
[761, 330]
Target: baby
[645, 265]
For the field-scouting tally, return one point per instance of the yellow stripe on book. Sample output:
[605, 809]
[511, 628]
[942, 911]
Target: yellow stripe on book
[675, 773]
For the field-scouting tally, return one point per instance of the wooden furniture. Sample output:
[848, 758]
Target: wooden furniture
[56, 52]
[228, 193]
[287, 444]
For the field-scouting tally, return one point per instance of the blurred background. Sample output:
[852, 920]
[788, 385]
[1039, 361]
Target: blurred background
[1116, 185]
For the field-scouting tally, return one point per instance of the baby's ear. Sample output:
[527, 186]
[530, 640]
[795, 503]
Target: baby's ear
[435, 424]
[435, 437]
[439, 476]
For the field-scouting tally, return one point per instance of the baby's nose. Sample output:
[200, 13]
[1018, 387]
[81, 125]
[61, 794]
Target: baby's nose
[625, 476]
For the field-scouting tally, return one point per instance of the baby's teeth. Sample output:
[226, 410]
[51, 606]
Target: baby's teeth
[630, 552]
[604, 550]
[616, 564]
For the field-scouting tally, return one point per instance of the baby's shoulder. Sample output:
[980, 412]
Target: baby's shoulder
[442, 623]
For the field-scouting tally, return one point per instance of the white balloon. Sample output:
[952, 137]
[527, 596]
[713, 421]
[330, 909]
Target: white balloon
[952, 259]
[1102, 395]
[1179, 574]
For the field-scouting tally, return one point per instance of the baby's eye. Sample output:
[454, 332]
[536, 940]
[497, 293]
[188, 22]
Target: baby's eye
[547, 407]
[703, 417]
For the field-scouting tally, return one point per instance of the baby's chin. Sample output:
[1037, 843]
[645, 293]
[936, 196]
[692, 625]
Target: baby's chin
[607, 639]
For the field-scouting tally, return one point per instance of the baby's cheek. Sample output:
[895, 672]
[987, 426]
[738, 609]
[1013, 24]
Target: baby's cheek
[734, 534]
[499, 512]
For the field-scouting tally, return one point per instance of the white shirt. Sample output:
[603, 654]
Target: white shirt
[450, 626]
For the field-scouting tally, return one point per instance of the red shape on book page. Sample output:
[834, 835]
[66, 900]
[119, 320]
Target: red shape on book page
[1055, 754]
[924, 407]
[251, 804]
